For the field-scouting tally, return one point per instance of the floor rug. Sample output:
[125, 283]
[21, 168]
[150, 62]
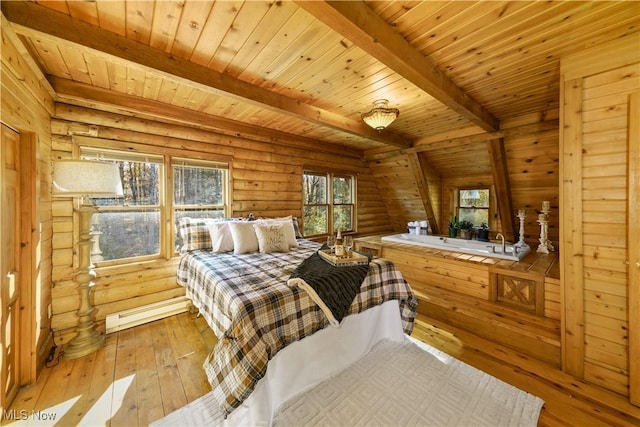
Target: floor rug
[398, 383]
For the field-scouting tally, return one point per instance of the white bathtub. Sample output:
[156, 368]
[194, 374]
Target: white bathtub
[473, 247]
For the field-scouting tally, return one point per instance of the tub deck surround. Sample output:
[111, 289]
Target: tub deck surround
[472, 247]
[512, 303]
[532, 261]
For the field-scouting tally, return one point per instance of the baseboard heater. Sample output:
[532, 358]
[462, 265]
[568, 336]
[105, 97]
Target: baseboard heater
[147, 313]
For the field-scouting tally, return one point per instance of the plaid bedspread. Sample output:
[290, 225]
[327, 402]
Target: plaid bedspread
[246, 301]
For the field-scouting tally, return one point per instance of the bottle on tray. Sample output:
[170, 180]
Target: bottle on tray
[340, 253]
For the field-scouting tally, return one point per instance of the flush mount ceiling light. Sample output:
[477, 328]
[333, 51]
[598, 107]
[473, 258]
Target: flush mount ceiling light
[380, 115]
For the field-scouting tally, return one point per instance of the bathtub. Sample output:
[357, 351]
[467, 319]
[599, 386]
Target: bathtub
[473, 247]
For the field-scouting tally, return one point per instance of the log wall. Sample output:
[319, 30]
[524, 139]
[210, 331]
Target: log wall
[266, 181]
[26, 107]
[596, 210]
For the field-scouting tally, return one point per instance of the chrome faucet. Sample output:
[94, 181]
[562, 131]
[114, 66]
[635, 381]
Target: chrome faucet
[504, 247]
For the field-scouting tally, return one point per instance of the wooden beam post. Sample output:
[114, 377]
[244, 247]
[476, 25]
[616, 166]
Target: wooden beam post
[370, 32]
[420, 169]
[501, 183]
[571, 247]
[33, 20]
[633, 186]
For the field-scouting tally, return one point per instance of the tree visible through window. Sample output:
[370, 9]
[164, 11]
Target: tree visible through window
[473, 205]
[328, 203]
[199, 191]
[131, 226]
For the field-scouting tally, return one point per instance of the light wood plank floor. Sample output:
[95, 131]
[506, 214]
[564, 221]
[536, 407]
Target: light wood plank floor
[148, 371]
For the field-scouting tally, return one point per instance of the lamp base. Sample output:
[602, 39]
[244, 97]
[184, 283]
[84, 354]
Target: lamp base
[83, 345]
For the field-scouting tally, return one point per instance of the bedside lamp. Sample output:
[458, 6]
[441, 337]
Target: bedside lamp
[85, 178]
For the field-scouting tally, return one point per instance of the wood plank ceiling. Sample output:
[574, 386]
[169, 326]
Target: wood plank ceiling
[307, 70]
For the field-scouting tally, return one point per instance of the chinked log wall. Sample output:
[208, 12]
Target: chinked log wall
[267, 181]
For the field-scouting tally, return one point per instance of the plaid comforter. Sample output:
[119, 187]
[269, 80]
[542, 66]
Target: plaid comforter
[246, 301]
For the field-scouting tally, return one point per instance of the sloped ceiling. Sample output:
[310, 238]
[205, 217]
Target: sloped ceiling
[308, 70]
[303, 72]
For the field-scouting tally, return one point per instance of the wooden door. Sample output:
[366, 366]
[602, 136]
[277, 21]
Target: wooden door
[9, 266]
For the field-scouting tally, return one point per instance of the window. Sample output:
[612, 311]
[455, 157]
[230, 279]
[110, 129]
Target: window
[199, 191]
[328, 203]
[473, 205]
[130, 227]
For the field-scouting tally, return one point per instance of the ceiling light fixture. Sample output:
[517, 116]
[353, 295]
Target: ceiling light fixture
[380, 115]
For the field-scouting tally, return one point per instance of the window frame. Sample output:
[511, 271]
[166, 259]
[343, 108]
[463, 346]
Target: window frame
[330, 202]
[166, 206]
[182, 161]
[459, 202]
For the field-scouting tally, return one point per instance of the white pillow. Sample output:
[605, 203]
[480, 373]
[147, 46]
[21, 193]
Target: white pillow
[244, 237]
[289, 230]
[221, 239]
[271, 237]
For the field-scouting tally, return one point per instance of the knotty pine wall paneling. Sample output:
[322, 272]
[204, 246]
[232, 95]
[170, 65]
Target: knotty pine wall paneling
[266, 181]
[595, 284]
[27, 104]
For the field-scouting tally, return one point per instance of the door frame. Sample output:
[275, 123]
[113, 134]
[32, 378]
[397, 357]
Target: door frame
[29, 233]
[633, 245]
[27, 349]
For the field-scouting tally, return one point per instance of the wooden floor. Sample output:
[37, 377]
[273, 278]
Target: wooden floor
[146, 372]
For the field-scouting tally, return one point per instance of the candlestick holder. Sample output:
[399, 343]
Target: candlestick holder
[521, 243]
[542, 247]
[545, 210]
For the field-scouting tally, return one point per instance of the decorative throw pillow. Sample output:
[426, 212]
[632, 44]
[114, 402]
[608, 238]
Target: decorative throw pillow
[289, 230]
[194, 233]
[296, 227]
[271, 237]
[221, 239]
[244, 237]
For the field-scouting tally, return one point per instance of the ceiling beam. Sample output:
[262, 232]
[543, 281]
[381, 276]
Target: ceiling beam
[419, 167]
[362, 26]
[498, 158]
[33, 20]
[67, 89]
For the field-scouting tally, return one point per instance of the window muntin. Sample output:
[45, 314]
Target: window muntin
[328, 203]
[473, 205]
[129, 228]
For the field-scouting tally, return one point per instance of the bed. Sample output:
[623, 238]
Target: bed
[256, 315]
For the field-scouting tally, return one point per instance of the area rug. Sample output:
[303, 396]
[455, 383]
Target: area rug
[397, 383]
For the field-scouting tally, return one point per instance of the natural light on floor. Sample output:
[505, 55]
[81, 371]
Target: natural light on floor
[99, 414]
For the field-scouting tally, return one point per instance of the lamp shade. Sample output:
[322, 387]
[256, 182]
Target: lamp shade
[78, 178]
[381, 115]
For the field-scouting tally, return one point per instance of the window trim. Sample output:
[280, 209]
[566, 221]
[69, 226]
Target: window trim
[458, 204]
[166, 154]
[330, 176]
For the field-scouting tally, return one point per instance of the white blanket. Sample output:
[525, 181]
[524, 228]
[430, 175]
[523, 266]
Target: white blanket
[399, 382]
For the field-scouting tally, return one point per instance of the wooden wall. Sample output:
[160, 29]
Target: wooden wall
[531, 147]
[267, 181]
[596, 209]
[26, 107]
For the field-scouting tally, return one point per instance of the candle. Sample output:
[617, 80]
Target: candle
[546, 207]
[542, 217]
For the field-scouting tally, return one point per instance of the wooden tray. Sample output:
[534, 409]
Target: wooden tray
[354, 258]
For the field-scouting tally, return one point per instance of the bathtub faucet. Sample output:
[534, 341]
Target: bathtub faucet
[501, 237]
